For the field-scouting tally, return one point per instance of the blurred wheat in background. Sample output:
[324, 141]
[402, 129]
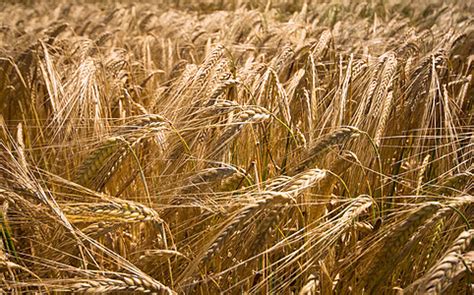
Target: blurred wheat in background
[237, 147]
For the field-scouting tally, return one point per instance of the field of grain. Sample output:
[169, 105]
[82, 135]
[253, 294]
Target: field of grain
[237, 147]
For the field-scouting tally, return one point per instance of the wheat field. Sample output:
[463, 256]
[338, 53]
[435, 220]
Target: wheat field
[237, 147]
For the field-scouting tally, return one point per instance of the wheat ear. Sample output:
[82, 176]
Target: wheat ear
[384, 260]
[336, 137]
[251, 114]
[121, 282]
[441, 275]
[293, 187]
[117, 210]
[114, 151]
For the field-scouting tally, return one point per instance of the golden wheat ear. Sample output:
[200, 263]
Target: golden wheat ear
[454, 264]
[117, 210]
[324, 143]
[119, 283]
[294, 187]
[198, 183]
[380, 267]
[97, 169]
[250, 115]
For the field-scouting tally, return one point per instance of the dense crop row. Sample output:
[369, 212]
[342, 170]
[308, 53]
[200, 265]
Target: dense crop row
[313, 148]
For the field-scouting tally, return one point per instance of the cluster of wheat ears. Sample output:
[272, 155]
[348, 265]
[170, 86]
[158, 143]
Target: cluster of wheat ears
[242, 147]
